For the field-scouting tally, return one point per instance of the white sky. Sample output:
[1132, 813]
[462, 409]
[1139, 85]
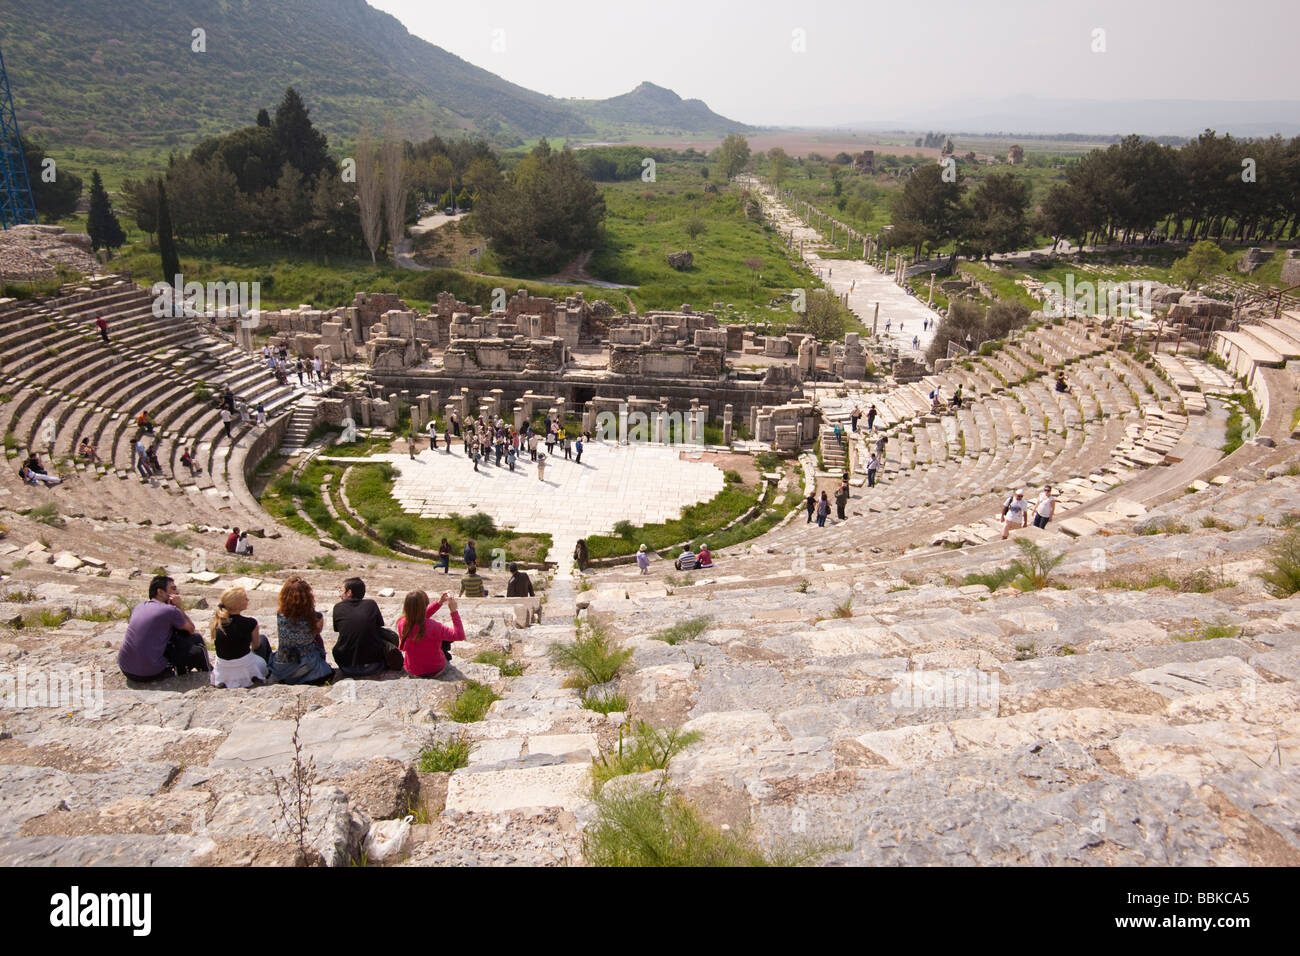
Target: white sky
[869, 60]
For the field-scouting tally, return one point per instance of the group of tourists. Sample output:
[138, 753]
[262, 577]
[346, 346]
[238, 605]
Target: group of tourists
[494, 442]
[161, 640]
[314, 371]
[1017, 509]
[856, 415]
[237, 543]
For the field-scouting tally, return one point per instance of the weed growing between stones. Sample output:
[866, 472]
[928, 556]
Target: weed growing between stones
[650, 827]
[327, 562]
[172, 539]
[1162, 525]
[687, 630]
[1032, 570]
[294, 793]
[47, 514]
[649, 748]
[593, 658]
[1222, 627]
[472, 704]
[1218, 525]
[992, 579]
[1282, 579]
[444, 756]
[607, 703]
[802, 586]
[502, 662]
[1025, 652]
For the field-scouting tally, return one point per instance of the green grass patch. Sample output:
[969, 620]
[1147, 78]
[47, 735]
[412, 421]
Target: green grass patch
[683, 630]
[472, 704]
[173, 539]
[502, 662]
[608, 703]
[653, 828]
[444, 756]
[1220, 628]
[1243, 409]
[327, 562]
[699, 522]
[47, 514]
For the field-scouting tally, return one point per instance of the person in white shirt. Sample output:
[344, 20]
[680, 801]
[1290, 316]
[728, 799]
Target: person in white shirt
[1015, 513]
[1044, 508]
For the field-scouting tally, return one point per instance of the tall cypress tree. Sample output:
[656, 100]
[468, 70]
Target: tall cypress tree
[104, 229]
[304, 146]
[171, 260]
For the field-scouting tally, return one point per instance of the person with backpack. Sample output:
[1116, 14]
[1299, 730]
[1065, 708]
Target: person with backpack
[1016, 509]
[842, 499]
[823, 510]
[871, 418]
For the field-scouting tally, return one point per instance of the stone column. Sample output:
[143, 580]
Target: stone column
[464, 404]
[622, 423]
[365, 413]
[519, 415]
[657, 424]
[589, 418]
[727, 417]
[875, 320]
[498, 401]
[416, 419]
[886, 260]
[930, 300]
[446, 413]
[696, 433]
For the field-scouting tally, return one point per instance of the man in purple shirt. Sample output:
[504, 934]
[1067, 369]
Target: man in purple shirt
[160, 638]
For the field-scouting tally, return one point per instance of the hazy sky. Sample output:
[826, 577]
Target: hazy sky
[868, 60]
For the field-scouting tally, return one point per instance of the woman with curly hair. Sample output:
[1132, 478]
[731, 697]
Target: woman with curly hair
[300, 658]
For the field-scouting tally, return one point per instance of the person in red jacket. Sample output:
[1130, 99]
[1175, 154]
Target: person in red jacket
[421, 638]
[103, 328]
[232, 541]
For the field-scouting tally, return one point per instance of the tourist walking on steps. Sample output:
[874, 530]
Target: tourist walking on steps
[1045, 507]
[444, 556]
[300, 371]
[1015, 513]
[842, 499]
[425, 644]
[643, 559]
[364, 646]
[577, 447]
[533, 442]
[103, 328]
[141, 458]
[873, 465]
[823, 510]
[581, 555]
[854, 416]
[243, 652]
[299, 656]
[226, 419]
[470, 554]
[871, 418]
[160, 640]
[811, 502]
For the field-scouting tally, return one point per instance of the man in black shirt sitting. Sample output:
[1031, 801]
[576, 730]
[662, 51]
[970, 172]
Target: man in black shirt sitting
[520, 584]
[364, 646]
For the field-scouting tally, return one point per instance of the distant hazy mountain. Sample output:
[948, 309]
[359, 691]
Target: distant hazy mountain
[652, 107]
[123, 73]
[1028, 114]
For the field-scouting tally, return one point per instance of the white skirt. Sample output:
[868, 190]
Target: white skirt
[240, 672]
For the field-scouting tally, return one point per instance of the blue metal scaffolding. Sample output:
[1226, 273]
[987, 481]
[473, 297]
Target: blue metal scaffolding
[17, 204]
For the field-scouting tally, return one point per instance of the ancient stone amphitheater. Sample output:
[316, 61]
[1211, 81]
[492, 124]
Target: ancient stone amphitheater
[848, 687]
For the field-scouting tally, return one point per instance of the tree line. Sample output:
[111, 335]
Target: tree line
[1214, 187]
